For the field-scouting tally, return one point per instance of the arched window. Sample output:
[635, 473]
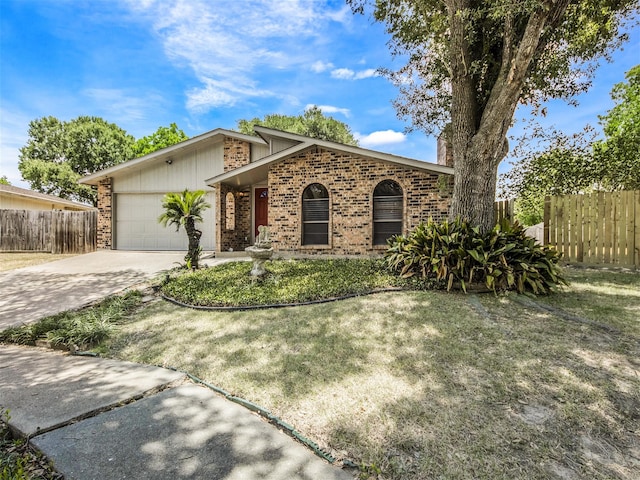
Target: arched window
[315, 215]
[230, 214]
[387, 211]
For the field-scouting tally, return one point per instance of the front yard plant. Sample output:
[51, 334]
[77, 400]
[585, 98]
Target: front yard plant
[76, 329]
[185, 209]
[456, 255]
[18, 461]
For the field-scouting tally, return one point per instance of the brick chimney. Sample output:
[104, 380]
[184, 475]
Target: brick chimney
[444, 150]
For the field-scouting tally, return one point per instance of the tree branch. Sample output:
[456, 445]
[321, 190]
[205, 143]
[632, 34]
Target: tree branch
[508, 86]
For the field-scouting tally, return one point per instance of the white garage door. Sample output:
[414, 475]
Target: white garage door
[137, 226]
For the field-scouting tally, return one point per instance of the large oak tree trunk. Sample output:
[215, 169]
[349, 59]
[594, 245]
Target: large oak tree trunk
[474, 189]
[479, 132]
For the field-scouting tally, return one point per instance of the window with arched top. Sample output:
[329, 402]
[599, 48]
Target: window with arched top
[387, 211]
[315, 215]
[230, 213]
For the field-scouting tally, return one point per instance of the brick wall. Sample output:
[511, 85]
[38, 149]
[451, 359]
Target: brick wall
[350, 181]
[236, 153]
[238, 237]
[105, 198]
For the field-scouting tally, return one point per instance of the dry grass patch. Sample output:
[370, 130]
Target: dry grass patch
[414, 385]
[11, 261]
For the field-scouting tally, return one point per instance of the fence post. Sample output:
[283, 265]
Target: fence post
[636, 229]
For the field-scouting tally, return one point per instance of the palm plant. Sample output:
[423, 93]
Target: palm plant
[186, 209]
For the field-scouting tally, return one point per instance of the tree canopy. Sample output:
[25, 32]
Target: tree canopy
[619, 152]
[471, 63]
[312, 123]
[4, 180]
[570, 164]
[562, 164]
[58, 153]
[161, 138]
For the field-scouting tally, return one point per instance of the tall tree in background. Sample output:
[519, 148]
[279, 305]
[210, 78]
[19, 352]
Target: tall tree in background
[569, 164]
[550, 162]
[58, 153]
[4, 180]
[312, 123]
[619, 152]
[162, 138]
[472, 62]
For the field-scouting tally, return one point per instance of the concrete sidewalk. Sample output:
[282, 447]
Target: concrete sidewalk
[98, 418]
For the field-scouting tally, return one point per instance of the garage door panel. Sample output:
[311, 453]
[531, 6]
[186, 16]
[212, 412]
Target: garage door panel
[137, 227]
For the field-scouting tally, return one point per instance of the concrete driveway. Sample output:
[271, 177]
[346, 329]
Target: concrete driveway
[30, 293]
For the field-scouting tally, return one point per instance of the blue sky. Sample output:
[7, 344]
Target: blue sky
[206, 64]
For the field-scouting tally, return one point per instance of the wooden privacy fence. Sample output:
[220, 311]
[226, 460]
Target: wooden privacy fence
[55, 231]
[504, 209]
[601, 227]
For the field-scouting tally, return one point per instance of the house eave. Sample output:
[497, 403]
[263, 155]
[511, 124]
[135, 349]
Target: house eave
[247, 174]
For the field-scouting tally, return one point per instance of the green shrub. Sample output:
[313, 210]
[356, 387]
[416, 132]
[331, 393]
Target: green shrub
[455, 255]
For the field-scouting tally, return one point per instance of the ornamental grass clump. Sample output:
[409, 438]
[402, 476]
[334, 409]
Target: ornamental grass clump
[82, 328]
[456, 256]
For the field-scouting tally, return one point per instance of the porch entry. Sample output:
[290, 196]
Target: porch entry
[261, 208]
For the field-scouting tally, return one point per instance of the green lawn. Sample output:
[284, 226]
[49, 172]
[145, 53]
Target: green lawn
[414, 385]
[286, 282]
[428, 384]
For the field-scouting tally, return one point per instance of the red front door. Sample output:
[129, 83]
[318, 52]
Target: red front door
[261, 210]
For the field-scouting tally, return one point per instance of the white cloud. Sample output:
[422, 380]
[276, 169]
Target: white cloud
[330, 109]
[229, 44]
[200, 99]
[343, 73]
[221, 93]
[381, 137]
[348, 74]
[321, 66]
[343, 15]
[117, 103]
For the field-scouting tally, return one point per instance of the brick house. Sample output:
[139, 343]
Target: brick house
[316, 196]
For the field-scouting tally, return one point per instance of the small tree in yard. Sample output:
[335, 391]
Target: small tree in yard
[186, 209]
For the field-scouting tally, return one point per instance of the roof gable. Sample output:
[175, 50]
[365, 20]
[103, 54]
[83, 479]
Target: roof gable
[166, 153]
[261, 166]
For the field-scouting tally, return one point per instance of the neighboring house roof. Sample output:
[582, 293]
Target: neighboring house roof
[166, 153]
[255, 171]
[10, 190]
